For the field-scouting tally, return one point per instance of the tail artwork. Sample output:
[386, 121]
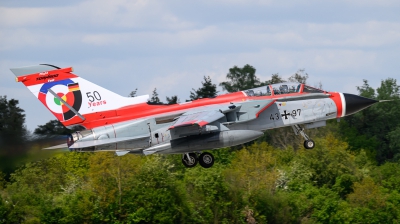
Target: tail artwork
[68, 96]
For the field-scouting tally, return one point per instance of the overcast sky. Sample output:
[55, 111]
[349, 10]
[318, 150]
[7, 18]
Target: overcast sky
[170, 45]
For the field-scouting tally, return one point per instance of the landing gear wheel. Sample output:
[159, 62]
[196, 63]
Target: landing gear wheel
[191, 161]
[309, 144]
[206, 160]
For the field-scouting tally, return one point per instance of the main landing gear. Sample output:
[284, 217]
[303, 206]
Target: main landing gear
[308, 143]
[205, 159]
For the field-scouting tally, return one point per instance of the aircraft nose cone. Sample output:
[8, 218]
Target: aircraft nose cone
[356, 103]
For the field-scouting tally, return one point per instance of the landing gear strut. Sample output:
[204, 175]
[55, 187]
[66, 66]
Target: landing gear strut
[308, 143]
[205, 159]
[190, 159]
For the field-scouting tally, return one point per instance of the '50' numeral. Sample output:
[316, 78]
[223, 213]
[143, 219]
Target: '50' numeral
[94, 96]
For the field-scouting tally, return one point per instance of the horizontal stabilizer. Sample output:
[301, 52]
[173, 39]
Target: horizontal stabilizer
[61, 146]
[33, 69]
[85, 144]
[121, 153]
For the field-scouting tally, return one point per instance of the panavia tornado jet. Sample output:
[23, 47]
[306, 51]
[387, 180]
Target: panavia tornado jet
[132, 125]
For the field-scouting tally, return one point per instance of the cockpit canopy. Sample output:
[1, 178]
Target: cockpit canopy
[282, 88]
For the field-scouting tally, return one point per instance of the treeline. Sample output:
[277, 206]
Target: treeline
[329, 184]
[351, 176]
[237, 79]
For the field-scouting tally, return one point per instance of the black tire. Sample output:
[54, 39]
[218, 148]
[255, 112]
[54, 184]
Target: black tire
[206, 160]
[186, 162]
[309, 144]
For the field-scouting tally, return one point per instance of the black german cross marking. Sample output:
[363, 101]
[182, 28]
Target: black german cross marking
[285, 114]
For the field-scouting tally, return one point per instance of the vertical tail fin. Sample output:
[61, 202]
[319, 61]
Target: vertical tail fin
[68, 96]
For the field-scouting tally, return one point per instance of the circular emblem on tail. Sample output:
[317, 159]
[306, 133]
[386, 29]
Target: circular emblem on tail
[67, 91]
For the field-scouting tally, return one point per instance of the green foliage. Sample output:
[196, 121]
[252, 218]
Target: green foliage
[329, 184]
[3, 210]
[133, 93]
[12, 134]
[300, 76]
[388, 90]
[369, 203]
[275, 78]
[376, 128]
[388, 176]
[344, 184]
[223, 156]
[209, 195]
[245, 78]
[11, 119]
[255, 175]
[394, 142]
[328, 161]
[2, 180]
[154, 97]
[358, 141]
[156, 196]
[208, 90]
[53, 127]
[366, 90]
[172, 100]
[241, 79]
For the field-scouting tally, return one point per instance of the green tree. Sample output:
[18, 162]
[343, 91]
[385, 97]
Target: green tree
[12, 119]
[42, 191]
[256, 175]
[356, 139]
[109, 178]
[208, 90]
[13, 134]
[275, 78]
[241, 79]
[328, 161]
[378, 123]
[3, 211]
[388, 90]
[387, 175]
[172, 100]
[300, 76]
[155, 195]
[369, 201]
[3, 205]
[394, 142]
[154, 97]
[53, 127]
[385, 125]
[31, 189]
[366, 90]
[133, 93]
[251, 184]
[2, 180]
[208, 195]
[310, 204]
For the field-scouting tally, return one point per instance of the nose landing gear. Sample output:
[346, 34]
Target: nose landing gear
[308, 143]
[205, 159]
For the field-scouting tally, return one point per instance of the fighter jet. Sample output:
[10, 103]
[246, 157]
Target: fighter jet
[111, 122]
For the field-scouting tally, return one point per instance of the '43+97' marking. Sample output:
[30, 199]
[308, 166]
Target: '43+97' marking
[285, 114]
